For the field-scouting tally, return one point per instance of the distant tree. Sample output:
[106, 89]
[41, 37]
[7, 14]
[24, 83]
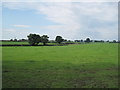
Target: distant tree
[44, 39]
[65, 40]
[23, 40]
[11, 39]
[114, 41]
[102, 40]
[69, 41]
[15, 40]
[34, 39]
[59, 39]
[87, 40]
[76, 40]
[96, 41]
[81, 40]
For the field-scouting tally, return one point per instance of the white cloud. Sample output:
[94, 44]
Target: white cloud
[9, 30]
[63, 15]
[100, 11]
[68, 32]
[22, 26]
[108, 32]
[72, 18]
[10, 33]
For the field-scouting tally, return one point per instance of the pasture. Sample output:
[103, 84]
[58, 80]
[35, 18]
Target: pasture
[22, 43]
[93, 65]
[14, 43]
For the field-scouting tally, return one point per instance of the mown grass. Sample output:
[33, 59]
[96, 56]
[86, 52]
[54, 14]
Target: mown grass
[9, 43]
[23, 43]
[73, 66]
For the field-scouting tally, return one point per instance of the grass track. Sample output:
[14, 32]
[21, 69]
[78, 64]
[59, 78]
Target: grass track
[73, 66]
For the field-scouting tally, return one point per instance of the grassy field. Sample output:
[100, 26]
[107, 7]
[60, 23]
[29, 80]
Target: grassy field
[26, 43]
[21, 43]
[73, 66]
[13, 43]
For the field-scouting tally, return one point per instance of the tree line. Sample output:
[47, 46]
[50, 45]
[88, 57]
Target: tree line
[35, 39]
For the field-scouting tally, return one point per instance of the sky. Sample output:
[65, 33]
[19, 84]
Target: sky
[71, 20]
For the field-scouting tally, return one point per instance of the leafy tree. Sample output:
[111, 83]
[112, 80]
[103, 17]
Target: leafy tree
[44, 39]
[11, 39]
[65, 40]
[34, 39]
[69, 41]
[114, 41]
[15, 40]
[23, 40]
[87, 40]
[81, 40]
[59, 39]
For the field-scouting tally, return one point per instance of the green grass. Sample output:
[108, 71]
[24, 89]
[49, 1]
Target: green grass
[18, 43]
[7, 42]
[72, 66]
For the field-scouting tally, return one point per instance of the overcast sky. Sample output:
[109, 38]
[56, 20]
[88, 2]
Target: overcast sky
[71, 20]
